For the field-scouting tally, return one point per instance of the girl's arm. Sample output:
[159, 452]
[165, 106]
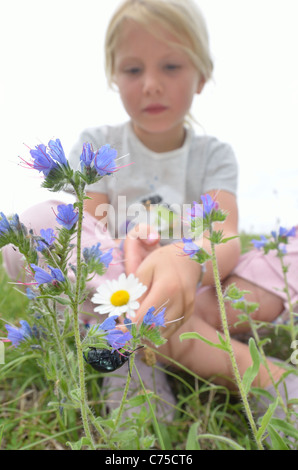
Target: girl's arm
[173, 278]
[92, 205]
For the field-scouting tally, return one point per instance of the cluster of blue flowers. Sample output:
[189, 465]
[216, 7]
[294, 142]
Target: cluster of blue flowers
[43, 277]
[17, 335]
[44, 161]
[103, 160]
[201, 216]
[278, 241]
[203, 210]
[67, 216]
[51, 157]
[94, 254]
[117, 338]
[12, 225]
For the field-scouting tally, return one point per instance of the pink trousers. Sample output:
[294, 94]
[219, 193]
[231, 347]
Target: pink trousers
[266, 271]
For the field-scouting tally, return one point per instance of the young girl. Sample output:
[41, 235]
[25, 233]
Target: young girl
[157, 55]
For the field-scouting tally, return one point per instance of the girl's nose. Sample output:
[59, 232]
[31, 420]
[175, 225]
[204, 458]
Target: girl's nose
[152, 84]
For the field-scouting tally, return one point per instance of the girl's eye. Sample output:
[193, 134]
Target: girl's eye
[172, 67]
[133, 70]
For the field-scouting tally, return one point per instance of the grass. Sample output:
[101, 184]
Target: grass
[29, 422]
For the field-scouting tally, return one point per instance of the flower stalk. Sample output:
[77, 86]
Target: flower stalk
[79, 348]
[230, 350]
[291, 310]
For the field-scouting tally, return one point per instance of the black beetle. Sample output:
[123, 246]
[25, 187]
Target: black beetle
[105, 360]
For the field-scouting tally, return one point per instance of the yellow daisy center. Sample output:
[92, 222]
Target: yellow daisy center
[121, 297]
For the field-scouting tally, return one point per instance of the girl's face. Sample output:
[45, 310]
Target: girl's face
[157, 83]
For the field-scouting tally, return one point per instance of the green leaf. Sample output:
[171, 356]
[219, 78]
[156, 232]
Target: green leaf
[201, 256]
[138, 400]
[106, 422]
[225, 240]
[266, 419]
[277, 441]
[192, 442]
[65, 405]
[1, 433]
[154, 335]
[84, 441]
[264, 341]
[234, 293]
[60, 300]
[222, 341]
[286, 428]
[76, 395]
[226, 440]
[195, 335]
[252, 371]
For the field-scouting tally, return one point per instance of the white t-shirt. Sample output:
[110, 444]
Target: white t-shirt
[171, 179]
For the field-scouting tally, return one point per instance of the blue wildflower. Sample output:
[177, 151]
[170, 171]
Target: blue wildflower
[15, 222]
[155, 319]
[87, 155]
[190, 248]
[108, 324]
[67, 217]
[56, 274]
[92, 253]
[104, 160]
[4, 224]
[49, 237]
[57, 152]
[42, 160]
[284, 232]
[43, 277]
[260, 243]
[117, 338]
[16, 335]
[282, 248]
[107, 257]
[128, 323]
[30, 294]
[196, 211]
[95, 254]
[209, 204]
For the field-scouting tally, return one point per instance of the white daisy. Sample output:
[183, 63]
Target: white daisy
[119, 296]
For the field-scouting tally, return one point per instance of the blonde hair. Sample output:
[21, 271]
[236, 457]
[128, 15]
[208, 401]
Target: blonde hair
[182, 18]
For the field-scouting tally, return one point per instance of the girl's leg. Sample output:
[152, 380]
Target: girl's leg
[270, 305]
[212, 363]
[42, 216]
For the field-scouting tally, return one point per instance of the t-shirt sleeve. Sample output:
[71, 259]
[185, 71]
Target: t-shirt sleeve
[221, 168]
[96, 138]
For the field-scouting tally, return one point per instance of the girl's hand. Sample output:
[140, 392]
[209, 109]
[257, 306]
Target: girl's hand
[139, 243]
[171, 279]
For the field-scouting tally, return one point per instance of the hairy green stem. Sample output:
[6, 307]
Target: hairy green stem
[100, 429]
[155, 423]
[79, 348]
[224, 322]
[55, 330]
[291, 310]
[131, 363]
[263, 355]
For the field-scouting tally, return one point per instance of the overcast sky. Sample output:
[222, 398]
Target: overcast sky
[52, 84]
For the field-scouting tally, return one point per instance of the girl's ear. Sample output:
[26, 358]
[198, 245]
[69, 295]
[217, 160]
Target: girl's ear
[201, 84]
